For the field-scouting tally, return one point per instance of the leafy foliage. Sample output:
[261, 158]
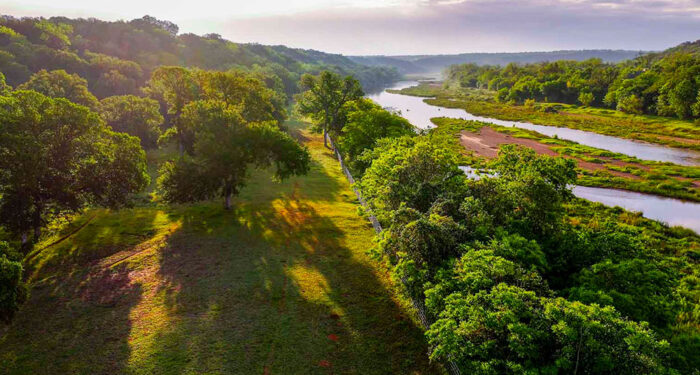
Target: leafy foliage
[324, 99]
[133, 115]
[225, 147]
[56, 156]
[667, 84]
[13, 290]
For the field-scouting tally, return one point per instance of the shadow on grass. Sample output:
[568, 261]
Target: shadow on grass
[279, 285]
[274, 289]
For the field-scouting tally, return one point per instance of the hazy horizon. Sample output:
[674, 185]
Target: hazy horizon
[411, 27]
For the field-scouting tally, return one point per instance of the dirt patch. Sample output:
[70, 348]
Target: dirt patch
[486, 143]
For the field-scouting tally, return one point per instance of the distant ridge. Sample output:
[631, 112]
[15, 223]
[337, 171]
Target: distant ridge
[408, 64]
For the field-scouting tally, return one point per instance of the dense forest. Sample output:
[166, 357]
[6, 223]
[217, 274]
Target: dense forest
[427, 64]
[663, 84]
[116, 58]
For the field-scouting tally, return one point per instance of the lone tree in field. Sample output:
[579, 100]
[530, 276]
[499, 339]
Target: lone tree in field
[57, 156]
[225, 148]
[324, 100]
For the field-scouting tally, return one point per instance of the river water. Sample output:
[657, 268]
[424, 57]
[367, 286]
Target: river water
[668, 210]
[419, 114]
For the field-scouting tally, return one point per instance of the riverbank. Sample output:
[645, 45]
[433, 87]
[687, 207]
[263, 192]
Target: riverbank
[653, 129]
[597, 168]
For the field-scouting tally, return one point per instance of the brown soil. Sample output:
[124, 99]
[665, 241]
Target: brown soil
[486, 143]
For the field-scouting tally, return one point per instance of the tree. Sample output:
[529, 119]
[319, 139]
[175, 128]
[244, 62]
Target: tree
[60, 84]
[630, 104]
[225, 148]
[13, 291]
[259, 103]
[586, 98]
[173, 87]
[324, 99]
[4, 87]
[410, 171]
[133, 115]
[366, 124]
[509, 330]
[57, 156]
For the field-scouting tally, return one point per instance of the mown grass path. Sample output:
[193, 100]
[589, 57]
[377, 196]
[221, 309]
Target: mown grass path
[280, 284]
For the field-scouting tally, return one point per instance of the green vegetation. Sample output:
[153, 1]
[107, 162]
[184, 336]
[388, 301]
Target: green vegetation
[133, 115]
[517, 280]
[225, 147]
[280, 284]
[116, 58]
[515, 274]
[612, 170]
[665, 84]
[324, 99]
[480, 102]
[57, 156]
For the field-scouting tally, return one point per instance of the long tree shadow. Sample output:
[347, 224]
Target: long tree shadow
[279, 288]
[78, 317]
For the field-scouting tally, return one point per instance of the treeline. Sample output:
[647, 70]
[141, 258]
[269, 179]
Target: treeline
[117, 58]
[516, 274]
[664, 84]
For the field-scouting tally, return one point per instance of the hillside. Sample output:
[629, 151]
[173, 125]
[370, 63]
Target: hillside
[122, 54]
[279, 285]
[436, 63]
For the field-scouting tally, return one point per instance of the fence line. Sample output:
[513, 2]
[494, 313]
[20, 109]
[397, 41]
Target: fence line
[418, 304]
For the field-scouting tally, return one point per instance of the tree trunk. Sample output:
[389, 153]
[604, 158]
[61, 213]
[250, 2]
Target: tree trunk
[25, 239]
[227, 197]
[37, 223]
[325, 138]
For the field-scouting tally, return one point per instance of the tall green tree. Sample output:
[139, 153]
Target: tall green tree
[133, 115]
[57, 156]
[324, 98]
[60, 84]
[173, 87]
[225, 148]
[366, 124]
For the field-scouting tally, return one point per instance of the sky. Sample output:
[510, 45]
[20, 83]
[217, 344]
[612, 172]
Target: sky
[394, 27]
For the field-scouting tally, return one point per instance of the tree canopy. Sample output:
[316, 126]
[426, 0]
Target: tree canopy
[57, 156]
[324, 100]
[225, 147]
[133, 115]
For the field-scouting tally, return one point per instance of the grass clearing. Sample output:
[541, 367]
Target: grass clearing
[281, 284]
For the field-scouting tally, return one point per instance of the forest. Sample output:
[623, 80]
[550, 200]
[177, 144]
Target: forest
[171, 203]
[663, 84]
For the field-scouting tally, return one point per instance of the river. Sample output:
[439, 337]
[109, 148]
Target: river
[668, 210]
[415, 110]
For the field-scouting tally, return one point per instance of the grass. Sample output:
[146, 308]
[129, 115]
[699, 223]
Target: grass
[654, 129]
[665, 179]
[281, 284]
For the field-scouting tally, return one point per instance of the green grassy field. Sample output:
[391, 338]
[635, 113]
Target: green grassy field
[281, 284]
[660, 130]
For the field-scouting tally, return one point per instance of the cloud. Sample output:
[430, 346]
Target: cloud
[452, 26]
[411, 26]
